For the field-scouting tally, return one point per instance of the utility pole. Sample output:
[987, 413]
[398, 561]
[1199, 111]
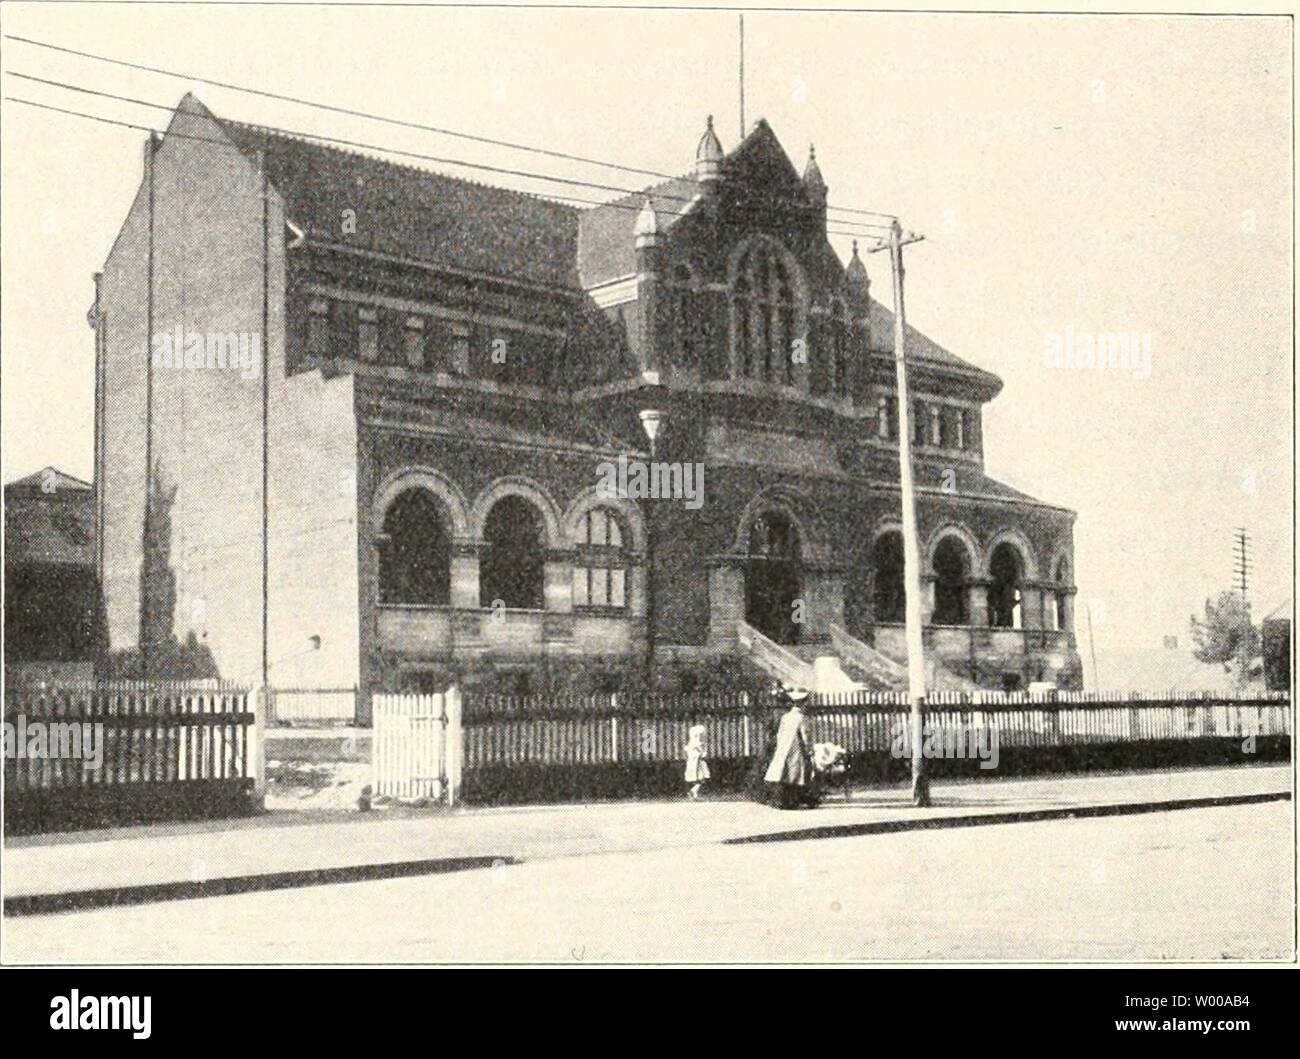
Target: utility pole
[1092, 648]
[651, 421]
[911, 548]
[1241, 568]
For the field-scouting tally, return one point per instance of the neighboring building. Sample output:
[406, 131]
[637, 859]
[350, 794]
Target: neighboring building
[54, 622]
[445, 367]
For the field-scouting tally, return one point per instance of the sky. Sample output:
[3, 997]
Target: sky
[1073, 177]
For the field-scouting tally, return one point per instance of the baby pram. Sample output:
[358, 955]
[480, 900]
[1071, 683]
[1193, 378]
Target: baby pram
[830, 770]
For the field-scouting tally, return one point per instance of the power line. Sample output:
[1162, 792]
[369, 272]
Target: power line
[348, 111]
[370, 116]
[330, 140]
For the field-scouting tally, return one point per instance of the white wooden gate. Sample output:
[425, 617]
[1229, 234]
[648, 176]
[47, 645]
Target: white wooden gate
[417, 746]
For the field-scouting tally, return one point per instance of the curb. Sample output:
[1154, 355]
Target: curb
[887, 827]
[153, 893]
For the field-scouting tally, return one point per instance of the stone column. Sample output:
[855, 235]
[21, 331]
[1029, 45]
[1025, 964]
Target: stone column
[464, 574]
[977, 602]
[1032, 606]
[557, 581]
[726, 601]
[822, 593]
[1066, 597]
[465, 600]
[928, 581]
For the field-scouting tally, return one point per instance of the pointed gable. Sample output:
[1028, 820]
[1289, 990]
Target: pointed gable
[759, 166]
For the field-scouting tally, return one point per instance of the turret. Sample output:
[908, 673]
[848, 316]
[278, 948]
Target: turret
[646, 232]
[646, 237]
[856, 281]
[708, 157]
[813, 181]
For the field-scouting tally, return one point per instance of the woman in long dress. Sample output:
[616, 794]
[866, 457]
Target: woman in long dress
[789, 774]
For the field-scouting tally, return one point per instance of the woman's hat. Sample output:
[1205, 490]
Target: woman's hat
[795, 692]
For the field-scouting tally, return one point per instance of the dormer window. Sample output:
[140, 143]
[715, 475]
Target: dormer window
[460, 347]
[318, 327]
[887, 417]
[413, 341]
[367, 333]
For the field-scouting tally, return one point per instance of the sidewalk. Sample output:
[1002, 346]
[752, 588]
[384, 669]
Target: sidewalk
[282, 850]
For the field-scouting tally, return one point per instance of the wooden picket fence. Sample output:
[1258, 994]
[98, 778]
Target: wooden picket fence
[125, 752]
[596, 730]
[416, 746]
[312, 706]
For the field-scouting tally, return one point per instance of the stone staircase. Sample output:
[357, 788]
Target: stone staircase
[879, 668]
[824, 675]
[890, 672]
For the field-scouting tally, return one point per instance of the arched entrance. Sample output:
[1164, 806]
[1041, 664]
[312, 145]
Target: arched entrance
[950, 575]
[514, 555]
[887, 570]
[773, 578]
[1006, 571]
[415, 551]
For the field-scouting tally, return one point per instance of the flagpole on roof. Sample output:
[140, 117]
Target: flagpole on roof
[742, 76]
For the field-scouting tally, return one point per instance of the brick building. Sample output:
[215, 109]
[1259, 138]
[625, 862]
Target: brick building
[54, 621]
[380, 401]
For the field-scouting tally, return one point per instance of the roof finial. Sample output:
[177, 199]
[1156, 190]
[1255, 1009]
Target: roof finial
[646, 231]
[812, 177]
[708, 155]
[855, 273]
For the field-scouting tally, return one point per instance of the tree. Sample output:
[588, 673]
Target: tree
[1218, 638]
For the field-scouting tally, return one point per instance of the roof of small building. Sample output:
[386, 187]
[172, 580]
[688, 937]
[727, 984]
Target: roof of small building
[47, 481]
[49, 518]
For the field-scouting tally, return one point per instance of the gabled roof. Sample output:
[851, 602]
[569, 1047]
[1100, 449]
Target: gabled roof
[49, 518]
[48, 481]
[922, 348]
[416, 213]
[411, 212]
[606, 248]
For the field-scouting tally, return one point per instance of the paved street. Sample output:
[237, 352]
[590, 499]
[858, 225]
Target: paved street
[1185, 885]
[286, 841]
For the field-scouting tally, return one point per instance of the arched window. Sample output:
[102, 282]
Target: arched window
[415, 552]
[1004, 592]
[773, 577]
[887, 566]
[514, 555]
[766, 317]
[600, 564]
[950, 583]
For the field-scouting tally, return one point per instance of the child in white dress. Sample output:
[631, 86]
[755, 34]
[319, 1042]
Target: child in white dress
[697, 765]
